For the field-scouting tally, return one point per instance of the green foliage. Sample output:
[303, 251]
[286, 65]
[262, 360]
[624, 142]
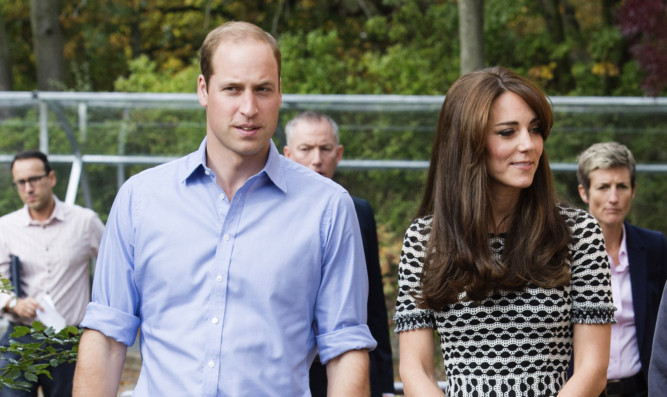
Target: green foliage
[370, 47]
[50, 349]
[145, 77]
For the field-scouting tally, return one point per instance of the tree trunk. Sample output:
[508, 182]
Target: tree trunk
[48, 44]
[5, 58]
[471, 33]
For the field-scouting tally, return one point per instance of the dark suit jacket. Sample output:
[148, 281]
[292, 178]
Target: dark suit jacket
[381, 365]
[657, 380]
[647, 255]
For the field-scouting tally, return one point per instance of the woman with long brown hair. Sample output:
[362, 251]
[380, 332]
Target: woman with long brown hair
[510, 279]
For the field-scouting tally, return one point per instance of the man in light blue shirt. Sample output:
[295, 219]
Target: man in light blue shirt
[238, 264]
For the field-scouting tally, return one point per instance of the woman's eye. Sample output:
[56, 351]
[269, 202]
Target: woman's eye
[505, 132]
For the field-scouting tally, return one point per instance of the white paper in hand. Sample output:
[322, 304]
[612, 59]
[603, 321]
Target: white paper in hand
[50, 316]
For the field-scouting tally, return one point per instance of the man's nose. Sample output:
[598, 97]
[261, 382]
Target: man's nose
[317, 157]
[248, 105]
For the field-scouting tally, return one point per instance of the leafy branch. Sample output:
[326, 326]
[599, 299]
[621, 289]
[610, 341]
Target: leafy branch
[27, 361]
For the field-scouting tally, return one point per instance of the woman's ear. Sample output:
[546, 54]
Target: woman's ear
[583, 194]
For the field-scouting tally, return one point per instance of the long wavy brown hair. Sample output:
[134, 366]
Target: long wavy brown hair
[459, 258]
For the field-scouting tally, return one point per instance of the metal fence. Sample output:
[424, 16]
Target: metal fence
[77, 113]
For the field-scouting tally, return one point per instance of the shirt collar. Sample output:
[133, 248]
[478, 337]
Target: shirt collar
[195, 166]
[622, 255]
[57, 214]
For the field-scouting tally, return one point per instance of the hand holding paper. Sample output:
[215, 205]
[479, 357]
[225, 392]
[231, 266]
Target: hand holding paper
[50, 316]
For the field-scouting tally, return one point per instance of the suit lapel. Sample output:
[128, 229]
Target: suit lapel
[638, 279]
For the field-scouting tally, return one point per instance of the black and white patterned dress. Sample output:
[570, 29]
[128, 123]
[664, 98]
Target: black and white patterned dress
[512, 343]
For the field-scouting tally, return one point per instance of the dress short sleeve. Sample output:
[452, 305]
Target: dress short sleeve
[408, 316]
[590, 286]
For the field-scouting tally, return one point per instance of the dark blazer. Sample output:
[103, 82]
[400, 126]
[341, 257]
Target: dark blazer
[657, 379]
[647, 255]
[381, 365]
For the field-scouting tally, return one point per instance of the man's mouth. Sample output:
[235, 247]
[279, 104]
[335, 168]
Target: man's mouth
[247, 130]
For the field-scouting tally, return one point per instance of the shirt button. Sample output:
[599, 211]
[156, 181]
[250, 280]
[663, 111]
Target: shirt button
[207, 172]
[226, 237]
[222, 196]
[211, 364]
[219, 278]
[214, 320]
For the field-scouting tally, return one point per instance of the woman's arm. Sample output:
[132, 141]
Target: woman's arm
[591, 358]
[416, 363]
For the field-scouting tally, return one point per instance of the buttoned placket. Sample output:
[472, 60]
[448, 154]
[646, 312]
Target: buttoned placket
[229, 215]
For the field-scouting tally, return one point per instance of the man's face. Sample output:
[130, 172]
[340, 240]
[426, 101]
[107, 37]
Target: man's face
[38, 194]
[314, 145]
[242, 100]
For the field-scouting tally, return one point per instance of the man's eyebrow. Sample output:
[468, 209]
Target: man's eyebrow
[265, 83]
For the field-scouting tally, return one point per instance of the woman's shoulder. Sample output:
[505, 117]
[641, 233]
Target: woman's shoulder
[576, 217]
[420, 228]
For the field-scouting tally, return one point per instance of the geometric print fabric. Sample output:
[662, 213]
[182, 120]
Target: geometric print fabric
[513, 343]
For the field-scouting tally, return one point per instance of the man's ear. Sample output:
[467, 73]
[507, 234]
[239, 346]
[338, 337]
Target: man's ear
[52, 178]
[339, 154]
[202, 91]
[583, 194]
[286, 152]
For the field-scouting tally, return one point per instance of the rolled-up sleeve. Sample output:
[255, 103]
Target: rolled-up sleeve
[341, 307]
[113, 309]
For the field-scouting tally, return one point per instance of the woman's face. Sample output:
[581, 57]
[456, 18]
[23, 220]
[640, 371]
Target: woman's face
[514, 145]
[609, 195]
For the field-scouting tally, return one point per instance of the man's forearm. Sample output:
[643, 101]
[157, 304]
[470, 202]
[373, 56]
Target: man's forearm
[348, 374]
[99, 365]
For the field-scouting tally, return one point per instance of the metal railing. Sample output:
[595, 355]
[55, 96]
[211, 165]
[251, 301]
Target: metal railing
[54, 103]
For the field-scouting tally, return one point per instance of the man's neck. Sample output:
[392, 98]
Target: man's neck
[232, 171]
[44, 213]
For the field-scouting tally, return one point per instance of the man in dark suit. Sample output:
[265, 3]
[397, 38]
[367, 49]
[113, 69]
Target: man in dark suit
[647, 252]
[657, 374]
[638, 259]
[312, 140]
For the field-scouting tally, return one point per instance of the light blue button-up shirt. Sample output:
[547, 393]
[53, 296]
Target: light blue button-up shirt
[233, 298]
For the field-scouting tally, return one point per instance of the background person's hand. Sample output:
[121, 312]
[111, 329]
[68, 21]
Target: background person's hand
[27, 308]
